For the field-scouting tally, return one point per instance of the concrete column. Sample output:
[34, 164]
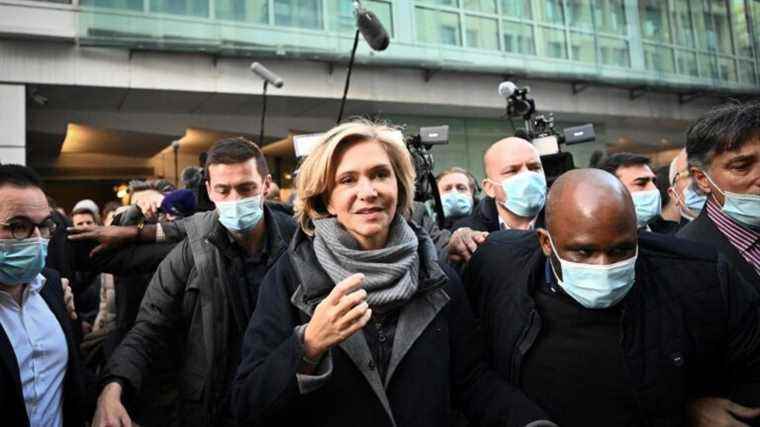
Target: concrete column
[13, 124]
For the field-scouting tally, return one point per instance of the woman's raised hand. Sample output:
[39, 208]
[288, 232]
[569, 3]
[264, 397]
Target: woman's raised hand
[337, 317]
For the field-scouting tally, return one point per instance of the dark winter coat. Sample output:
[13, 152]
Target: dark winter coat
[690, 326]
[189, 297]
[436, 362]
[77, 406]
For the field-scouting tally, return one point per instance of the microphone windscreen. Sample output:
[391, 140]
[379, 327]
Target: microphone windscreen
[506, 89]
[372, 30]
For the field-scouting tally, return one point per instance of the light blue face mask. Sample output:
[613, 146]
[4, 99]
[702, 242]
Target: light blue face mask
[240, 215]
[648, 206]
[596, 286]
[456, 204]
[22, 260]
[693, 201]
[526, 193]
[744, 208]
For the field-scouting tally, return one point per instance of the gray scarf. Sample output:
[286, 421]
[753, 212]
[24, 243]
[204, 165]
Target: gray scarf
[391, 274]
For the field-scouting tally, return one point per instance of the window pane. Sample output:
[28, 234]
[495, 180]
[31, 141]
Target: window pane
[482, 33]
[746, 72]
[614, 51]
[579, 14]
[741, 28]
[553, 43]
[687, 63]
[719, 34]
[708, 66]
[115, 4]
[450, 3]
[516, 8]
[551, 11]
[438, 27]
[518, 38]
[243, 10]
[485, 6]
[654, 20]
[755, 6]
[727, 69]
[180, 7]
[582, 48]
[609, 16]
[298, 13]
[683, 33]
[702, 21]
[342, 17]
[658, 58]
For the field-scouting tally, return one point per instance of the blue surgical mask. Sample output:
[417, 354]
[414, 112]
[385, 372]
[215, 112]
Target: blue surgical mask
[693, 201]
[648, 206]
[456, 204]
[22, 260]
[240, 215]
[744, 208]
[596, 286]
[526, 193]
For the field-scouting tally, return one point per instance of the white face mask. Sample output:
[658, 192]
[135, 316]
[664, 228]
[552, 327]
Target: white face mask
[648, 206]
[596, 286]
[744, 208]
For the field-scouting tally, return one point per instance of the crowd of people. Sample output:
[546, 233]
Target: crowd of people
[615, 295]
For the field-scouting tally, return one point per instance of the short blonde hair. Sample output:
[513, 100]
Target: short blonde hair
[317, 173]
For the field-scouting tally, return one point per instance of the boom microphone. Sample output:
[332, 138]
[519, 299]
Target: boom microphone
[267, 75]
[371, 28]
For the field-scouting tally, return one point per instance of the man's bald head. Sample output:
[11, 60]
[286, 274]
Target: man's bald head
[506, 153]
[590, 210]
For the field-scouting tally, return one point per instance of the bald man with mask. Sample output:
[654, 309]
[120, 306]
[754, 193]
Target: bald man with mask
[515, 186]
[602, 326]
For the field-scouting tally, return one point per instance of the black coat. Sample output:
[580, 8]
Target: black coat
[76, 407]
[703, 230]
[190, 299]
[436, 362]
[690, 326]
[485, 217]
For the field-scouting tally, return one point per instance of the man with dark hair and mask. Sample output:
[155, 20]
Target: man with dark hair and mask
[634, 171]
[204, 292]
[601, 325]
[41, 381]
[723, 149]
[458, 190]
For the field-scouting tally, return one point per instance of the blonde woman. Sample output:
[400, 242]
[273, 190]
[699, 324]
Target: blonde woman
[357, 324]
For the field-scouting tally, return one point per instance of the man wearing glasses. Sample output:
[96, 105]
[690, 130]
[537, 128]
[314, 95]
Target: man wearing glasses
[688, 197]
[40, 381]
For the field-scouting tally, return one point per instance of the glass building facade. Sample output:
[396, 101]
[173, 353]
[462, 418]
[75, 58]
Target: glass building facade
[709, 43]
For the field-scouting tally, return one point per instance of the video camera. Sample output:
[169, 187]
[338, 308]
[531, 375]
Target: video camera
[425, 187]
[540, 130]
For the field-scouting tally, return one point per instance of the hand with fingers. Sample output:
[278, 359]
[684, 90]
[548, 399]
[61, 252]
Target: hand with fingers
[109, 237]
[464, 242]
[110, 411]
[344, 312]
[716, 412]
[68, 299]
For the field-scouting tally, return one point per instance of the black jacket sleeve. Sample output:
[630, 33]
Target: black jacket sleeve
[265, 385]
[483, 395]
[743, 351]
[132, 259]
[160, 313]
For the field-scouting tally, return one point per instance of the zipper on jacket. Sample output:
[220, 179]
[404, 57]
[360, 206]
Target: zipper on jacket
[524, 344]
